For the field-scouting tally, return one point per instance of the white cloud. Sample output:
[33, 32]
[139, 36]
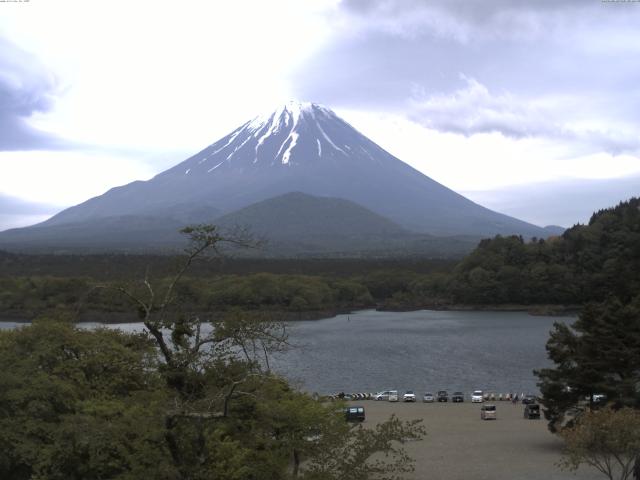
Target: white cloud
[485, 161]
[570, 119]
[66, 178]
[165, 74]
[473, 109]
[20, 220]
[562, 202]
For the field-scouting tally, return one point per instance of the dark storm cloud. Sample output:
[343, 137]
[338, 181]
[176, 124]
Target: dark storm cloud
[565, 69]
[25, 88]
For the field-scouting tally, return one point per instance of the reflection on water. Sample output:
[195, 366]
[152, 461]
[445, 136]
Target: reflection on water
[422, 351]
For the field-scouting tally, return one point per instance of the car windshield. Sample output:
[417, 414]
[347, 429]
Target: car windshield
[409, 392]
[428, 394]
[457, 393]
[489, 408]
[478, 392]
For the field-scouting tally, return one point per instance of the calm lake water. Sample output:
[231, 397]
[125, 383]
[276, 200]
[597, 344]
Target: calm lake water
[426, 350]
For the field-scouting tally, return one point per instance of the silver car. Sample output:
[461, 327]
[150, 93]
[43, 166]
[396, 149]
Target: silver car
[428, 398]
[488, 412]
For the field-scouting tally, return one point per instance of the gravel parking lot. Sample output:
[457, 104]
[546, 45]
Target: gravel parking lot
[459, 445]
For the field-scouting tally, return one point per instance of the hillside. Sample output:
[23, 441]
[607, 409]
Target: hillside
[587, 263]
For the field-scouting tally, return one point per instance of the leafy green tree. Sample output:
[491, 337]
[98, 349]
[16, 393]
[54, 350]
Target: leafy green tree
[223, 397]
[606, 439]
[360, 453]
[599, 354]
[76, 404]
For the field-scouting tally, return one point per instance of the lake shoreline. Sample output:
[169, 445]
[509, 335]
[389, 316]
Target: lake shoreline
[548, 310]
[114, 318]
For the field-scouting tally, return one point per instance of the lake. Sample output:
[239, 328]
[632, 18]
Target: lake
[425, 350]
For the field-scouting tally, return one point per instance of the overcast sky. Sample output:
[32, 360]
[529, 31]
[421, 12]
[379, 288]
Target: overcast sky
[530, 107]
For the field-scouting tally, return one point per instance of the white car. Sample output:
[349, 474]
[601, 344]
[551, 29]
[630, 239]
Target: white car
[393, 396]
[477, 396]
[409, 396]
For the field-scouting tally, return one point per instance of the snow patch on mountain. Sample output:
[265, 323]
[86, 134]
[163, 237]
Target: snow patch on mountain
[213, 168]
[326, 137]
[274, 137]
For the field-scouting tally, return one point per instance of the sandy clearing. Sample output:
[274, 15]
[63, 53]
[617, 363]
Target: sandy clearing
[461, 446]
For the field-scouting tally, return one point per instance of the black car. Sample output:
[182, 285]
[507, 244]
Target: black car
[532, 410]
[442, 396]
[529, 399]
[354, 414]
[457, 397]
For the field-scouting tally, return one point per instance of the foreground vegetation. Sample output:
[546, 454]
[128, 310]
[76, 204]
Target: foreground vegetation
[587, 263]
[597, 359]
[182, 403]
[597, 362]
[178, 402]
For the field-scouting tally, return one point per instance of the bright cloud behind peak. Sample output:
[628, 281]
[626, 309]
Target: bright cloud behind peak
[500, 83]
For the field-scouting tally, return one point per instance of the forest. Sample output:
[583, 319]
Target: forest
[587, 263]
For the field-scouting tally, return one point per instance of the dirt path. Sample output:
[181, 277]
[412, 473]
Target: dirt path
[461, 446]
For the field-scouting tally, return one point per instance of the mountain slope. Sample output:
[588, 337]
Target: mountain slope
[131, 233]
[294, 224]
[301, 225]
[300, 215]
[305, 148]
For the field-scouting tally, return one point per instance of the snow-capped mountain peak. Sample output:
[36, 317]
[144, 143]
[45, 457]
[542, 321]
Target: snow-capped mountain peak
[292, 134]
[289, 114]
[300, 147]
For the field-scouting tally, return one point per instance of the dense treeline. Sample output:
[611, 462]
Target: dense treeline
[30, 297]
[125, 267]
[328, 286]
[587, 263]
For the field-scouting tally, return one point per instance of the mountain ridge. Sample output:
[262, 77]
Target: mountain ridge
[299, 147]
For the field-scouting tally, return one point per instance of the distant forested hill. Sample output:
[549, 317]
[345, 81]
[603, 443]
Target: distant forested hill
[587, 263]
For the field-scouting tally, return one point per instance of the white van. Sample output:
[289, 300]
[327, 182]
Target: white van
[389, 395]
[382, 395]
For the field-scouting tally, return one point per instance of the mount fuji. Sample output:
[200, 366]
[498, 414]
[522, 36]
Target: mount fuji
[299, 147]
